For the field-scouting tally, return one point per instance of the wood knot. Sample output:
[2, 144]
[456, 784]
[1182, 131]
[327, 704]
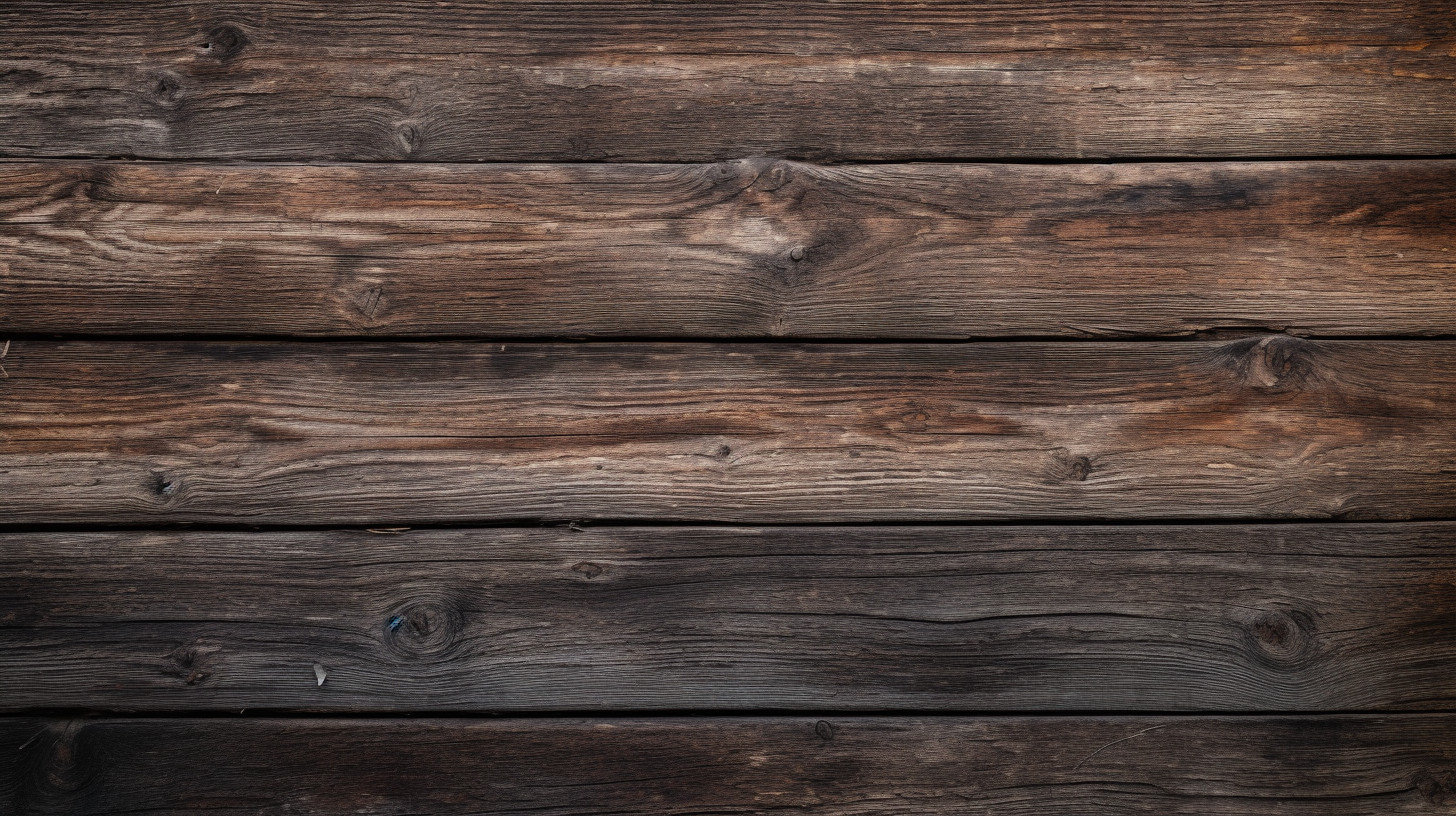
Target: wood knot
[1065, 467]
[760, 175]
[190, 663]
[410, 138]
[359, 291]
[582, 148]
[161, 485]
[1283, 638]
[420, 629]
[92, 185]
[588, 570]
[909, 416]
[164, 88]
[1276, 363]
[369, 302]
[1081, 468]
[824, 730]
[223, 42]
[1436, 787]
[65, 761]
[774, 177]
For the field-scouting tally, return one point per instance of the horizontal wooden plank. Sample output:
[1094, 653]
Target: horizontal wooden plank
[329, 433]
[742, 249]
[1245, 766]
[1233, 618]
[648, 81]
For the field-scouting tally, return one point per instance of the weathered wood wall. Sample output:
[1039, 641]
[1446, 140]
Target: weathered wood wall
[754, 248]
[636, 80]
[1225, 617]
[962, 407]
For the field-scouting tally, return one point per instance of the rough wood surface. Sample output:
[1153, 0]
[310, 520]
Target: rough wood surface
[354, 433]
[631, 170]
[741, 249]
[1233, 618]
[646, 81]
[1244, 766]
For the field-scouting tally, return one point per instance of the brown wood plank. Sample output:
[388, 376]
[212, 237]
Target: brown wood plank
[1244, 766]
[742, 249]
[1272, 427]
[1231, 618]
[647, 81]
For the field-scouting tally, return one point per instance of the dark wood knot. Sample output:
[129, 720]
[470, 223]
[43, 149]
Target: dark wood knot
[224, 42]
[1283, 638]
[420, 629]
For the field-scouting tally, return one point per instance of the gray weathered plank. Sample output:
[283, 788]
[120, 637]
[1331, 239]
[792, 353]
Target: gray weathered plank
[1231, 618]
[646, 81]
[743, 249]
[890, 766]
[1273, 427]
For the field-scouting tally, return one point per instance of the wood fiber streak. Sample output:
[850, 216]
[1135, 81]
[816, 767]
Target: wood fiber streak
[1246, 766]
[1233, 618]
[754, 248]
[647, 81]
[1273, 427]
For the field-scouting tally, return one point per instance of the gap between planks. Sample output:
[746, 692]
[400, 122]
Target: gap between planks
[6, 158]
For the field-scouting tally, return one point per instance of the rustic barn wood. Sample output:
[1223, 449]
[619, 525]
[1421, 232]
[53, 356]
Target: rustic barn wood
[1215, 766]
[740, 249]
[647, 81]
[350, 433]
[843, 407]
[1238, 618]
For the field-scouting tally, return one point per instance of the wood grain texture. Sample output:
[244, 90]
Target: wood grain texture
[646, 81]
[741, 249]
[1233, 618]
[1272, 427]
[1246, 766]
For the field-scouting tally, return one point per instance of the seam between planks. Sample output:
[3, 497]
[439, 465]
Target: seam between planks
[811, 161]
[98, 715]
[582, 525]
[1212, 336]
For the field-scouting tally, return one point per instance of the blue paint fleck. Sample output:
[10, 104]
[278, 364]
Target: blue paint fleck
[395, 622]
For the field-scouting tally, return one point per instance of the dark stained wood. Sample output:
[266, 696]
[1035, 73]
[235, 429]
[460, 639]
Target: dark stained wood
[1271, 427]
[1244, 766]
[647, 81]
[1234, 618]
[743, 249]
[634, 171]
